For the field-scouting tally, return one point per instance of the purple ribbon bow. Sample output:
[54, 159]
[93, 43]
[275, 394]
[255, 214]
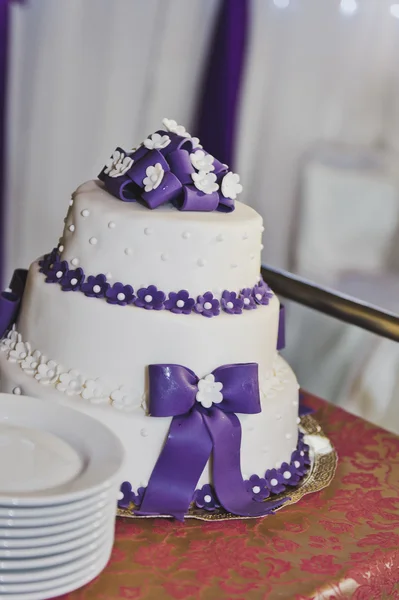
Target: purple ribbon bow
[176, 185]
[194, 433]
[10, 301]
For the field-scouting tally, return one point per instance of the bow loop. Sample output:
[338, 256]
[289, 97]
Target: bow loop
[172, 390]
[240, 388]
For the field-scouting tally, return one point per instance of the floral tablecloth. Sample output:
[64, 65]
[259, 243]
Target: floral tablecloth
[342, 542]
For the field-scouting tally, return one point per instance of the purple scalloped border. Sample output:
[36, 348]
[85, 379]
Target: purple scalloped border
[275, 481]
[150, 298]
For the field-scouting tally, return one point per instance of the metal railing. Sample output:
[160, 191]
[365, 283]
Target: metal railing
[332, 303]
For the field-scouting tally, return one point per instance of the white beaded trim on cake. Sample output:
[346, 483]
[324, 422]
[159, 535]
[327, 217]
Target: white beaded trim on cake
[73, 383]
[69, 382]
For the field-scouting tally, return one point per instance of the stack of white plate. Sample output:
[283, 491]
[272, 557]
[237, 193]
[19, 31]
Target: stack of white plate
[59, 485]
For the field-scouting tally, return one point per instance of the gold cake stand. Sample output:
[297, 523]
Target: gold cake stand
[324, 461]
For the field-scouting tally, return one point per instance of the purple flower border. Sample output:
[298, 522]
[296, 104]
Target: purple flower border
[150, 298]
[274, 482]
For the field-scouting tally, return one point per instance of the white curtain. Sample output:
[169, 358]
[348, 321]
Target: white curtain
[86, 76]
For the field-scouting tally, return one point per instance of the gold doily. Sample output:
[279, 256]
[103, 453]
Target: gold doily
[322, 469]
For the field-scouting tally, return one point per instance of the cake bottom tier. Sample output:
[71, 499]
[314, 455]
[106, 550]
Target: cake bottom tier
[268, 438]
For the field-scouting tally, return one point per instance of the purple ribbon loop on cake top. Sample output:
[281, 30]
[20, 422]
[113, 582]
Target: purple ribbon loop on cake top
[10, 300]
[281, 329]
[171, 169]
[194, 433]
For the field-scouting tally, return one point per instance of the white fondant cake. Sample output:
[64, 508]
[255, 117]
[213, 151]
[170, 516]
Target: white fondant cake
[91, 349]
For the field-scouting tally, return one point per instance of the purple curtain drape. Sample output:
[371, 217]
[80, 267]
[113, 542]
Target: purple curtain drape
[4, 16]
[219, 101]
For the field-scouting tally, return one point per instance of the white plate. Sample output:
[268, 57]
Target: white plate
[42, 562]
[59, 509]
[58, 586]
[40, 542]
[33, 576]
[56, 519]
[34, 532]
[81, 540]
[87, 453]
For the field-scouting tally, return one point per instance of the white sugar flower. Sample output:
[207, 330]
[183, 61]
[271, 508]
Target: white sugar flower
[202, 161]
[71, 383]
[172, 126]
[209, 391]
[195, 142]
[205, 182]
[31, 363]
[10, 341]
[20, 352]
[154, 177]
[47, 372]
[122, 399]
[118, 164]
[95, 391]
[231, 185]
[157, 141]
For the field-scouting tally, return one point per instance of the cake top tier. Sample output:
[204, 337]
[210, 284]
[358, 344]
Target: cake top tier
[172, 249]
[171, 166]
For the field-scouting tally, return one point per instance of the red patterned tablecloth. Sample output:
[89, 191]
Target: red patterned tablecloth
[342, 542]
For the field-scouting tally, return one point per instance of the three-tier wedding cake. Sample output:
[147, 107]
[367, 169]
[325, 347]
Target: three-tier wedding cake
[152, 317]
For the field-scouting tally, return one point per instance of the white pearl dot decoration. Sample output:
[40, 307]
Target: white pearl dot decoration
[71, 228]
[75, 262]
[262, 229]
[288, 436]
[148, 298]
[186, 235]
[61, 248]
[295, 403]
[17, 391]
[74, 281]
[201, 262]
[247, 301]
[234, 265]
[207, 498]
[71, 203]
[298, 420]
[121, 296]
[180, 303]
[97, 289]
[220, 237]
[256, 489]
[273, 482]
[229, 305]
[128, 251]
[93, 241]
[278, 417]
[261, 246]
[287, 475]
[59, 274]
[266, 450]
[207, 306]
[111, 225]
[297, 464]
[143, 432]
[85, 213]
[148, 231]
[164, 257]
[245, 236]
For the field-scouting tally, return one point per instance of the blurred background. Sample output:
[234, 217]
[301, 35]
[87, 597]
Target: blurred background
[301, 97]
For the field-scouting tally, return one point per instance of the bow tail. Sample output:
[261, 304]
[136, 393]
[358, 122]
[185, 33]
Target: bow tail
[178, 469]
[10, 301]
[225, 432]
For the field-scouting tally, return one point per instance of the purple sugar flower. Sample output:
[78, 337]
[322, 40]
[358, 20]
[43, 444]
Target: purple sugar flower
[247, 299]
[120, 294]
[289, 474]
[275, 481]
[72, 280]
[95, 286]
[257, 487]
[207, 305]
[303, 450]
[180, 302]
[56, 271]
[48, 259]
[150, 298]
[262, 293]
[299, 462]
[129, 496]
[231, 304]
[206, 498]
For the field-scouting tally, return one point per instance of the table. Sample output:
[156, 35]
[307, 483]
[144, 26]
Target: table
[342, 542]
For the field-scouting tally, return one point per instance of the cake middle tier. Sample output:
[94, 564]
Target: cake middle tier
[117, 343]
[165, 247]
